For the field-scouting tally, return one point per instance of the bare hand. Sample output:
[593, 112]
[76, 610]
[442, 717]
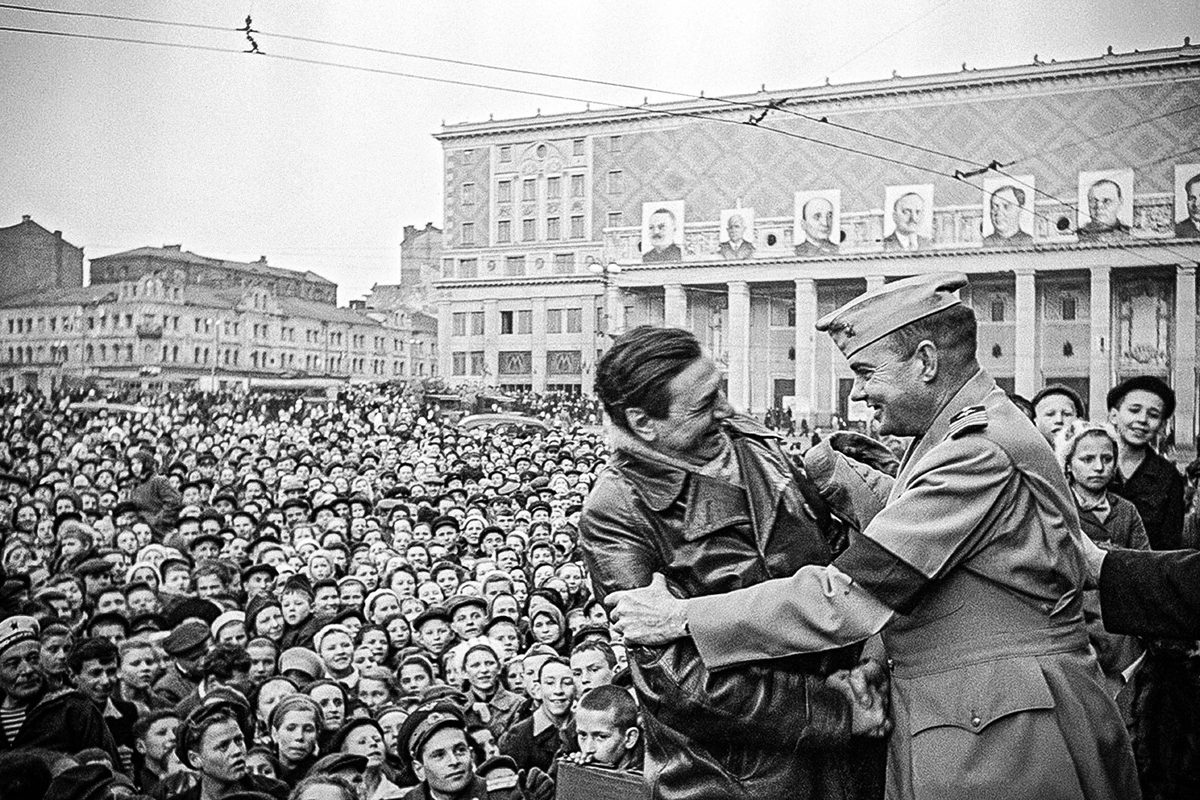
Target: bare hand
[868, 703]
[650, 615]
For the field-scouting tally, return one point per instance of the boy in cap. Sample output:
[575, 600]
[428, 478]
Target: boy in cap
[435, 740]
[30, 716]
[212, 741]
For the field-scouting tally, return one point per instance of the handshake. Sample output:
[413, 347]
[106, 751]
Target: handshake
[867, 688]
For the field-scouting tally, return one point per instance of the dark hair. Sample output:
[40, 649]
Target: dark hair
[146, 721]
[1023, 405]
[23, 774]
[1142, 383]
[614, 699]
[348, 791]
[953, 330]
[224, 661]
[635, 371]
[604, 648]
[93, 648]
[1109, 181]
[1019, 194]
[1192, 181]
[552, 660]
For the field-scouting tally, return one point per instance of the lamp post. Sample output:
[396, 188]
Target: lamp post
[607, 274]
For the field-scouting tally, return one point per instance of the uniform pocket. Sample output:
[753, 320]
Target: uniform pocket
[988, 731]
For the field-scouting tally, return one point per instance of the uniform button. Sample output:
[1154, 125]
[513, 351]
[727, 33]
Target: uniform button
[891, 663]
[976, 721]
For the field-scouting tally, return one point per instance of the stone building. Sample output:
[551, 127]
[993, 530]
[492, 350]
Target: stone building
[544, 253]
[420, 265]
[32, 259]
[163, 317]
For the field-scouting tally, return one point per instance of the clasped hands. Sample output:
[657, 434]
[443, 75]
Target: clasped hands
[867, 688]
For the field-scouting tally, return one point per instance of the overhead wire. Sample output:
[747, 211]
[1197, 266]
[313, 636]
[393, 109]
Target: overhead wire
[957, 175]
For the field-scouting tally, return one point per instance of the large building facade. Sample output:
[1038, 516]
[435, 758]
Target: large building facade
[1080, 240]
[164, 317]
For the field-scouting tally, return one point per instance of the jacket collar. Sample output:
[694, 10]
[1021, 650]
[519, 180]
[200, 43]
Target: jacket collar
[971, 393]
[659, 479]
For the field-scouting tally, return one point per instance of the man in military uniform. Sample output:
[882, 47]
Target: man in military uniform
[187, 646]
[434, 738]
[973, 572]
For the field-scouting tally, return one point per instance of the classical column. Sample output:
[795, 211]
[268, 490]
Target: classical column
[444, 329]
[615, 310]
[491, 342]
[537, 347]
[1183, 358]
[674, 306]
[739, 345]
[806, 320]
[588, 345]
[1025, 363]
[1100, 347]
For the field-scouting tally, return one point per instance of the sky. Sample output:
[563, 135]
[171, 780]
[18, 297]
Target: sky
[319, 167]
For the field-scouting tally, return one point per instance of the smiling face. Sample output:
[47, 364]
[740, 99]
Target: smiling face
[1138, 418]
[692, 428]
[892, 387]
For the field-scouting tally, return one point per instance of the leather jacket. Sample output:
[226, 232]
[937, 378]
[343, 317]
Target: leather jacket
[769, 730]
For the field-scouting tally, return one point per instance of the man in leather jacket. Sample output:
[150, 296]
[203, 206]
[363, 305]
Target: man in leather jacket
[711, 500]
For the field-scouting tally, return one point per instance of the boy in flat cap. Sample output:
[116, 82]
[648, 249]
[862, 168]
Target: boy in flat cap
[973, 571]
[435, 739]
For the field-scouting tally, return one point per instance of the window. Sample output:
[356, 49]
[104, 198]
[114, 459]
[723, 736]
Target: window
[515, 362]
[514, 266]
[783, 313]
[528, 230]
[615, 181]
[574, 320]
[614, 219]
[477, 362]
[564, 263]
[553, 188]
[467, 234]
[504, 192]
[503, 231]
[505, 154]
[577, 147]
[576, 186]
[468, 156]
[525, 322]
[460, 323]
[1068, 308]
[614, 144]
[468, 268]
[577, 226]
[563, 362]
[554, 320]
[477, 323]
[553, 229]
[468, 194]
[459, 364]
[507, 322]
[997, 310]
[529, 189]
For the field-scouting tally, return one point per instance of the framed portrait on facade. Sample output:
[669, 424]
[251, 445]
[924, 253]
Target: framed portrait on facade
[662, 231]
[908, 217]
[1105, 203]
[1008, 211]
[818, 222]
[737, 234]
[1187, 201]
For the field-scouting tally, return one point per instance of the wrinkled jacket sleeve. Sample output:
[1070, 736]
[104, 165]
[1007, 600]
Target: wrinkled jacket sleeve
[770, 708]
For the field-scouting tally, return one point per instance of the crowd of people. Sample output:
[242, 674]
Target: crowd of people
[209, 593]
[262, 595]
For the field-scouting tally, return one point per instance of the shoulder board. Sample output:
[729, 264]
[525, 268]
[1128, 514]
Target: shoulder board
[971, 418]
[498, 784]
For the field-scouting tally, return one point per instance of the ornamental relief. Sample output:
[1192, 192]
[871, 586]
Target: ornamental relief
[1143, 337]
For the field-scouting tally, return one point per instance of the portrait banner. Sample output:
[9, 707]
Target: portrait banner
[1008, 211]
[908, 217]
[818, 222]
[662, 231]
[1187, 201]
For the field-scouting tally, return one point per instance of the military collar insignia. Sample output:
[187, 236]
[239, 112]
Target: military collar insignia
[968, 419]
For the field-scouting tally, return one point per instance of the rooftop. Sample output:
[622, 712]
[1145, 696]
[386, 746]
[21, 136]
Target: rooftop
[177, 254]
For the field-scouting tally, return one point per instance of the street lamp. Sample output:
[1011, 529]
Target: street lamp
[607, 274]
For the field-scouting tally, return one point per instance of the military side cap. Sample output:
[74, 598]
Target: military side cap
[870, 317]
[426, 720]
[186, 639]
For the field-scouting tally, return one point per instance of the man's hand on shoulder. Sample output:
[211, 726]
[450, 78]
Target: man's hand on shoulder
[650, 615]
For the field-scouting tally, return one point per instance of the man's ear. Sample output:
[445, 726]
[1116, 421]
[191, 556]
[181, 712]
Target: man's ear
[926, 356]
[641, 424]
[631, 737]
[418, 770]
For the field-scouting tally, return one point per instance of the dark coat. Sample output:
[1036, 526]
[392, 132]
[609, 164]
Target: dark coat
[477, 789]
[1156, 489]
[771, 730]
[1151, 594]
[530, 749]
[158, 503]
[173, 686]
[66, 722]
[250, 783]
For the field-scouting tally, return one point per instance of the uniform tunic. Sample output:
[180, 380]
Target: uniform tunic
[974, 573]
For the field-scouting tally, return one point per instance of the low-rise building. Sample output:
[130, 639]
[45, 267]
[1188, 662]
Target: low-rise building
[33, 259]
